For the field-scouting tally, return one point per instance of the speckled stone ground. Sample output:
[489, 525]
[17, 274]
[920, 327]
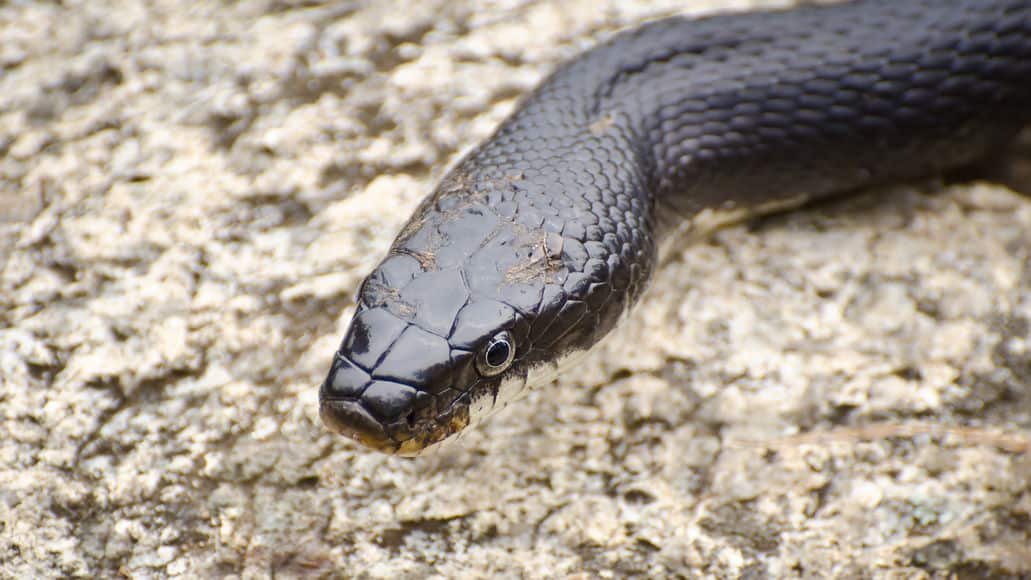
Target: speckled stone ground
[191, 192]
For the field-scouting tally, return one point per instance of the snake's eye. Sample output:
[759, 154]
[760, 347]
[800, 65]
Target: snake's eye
[497, 355]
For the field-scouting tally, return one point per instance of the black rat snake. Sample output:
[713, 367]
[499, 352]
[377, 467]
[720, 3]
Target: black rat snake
[534, 244]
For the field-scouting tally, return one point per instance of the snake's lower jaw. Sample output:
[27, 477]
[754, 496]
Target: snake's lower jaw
[350, 419]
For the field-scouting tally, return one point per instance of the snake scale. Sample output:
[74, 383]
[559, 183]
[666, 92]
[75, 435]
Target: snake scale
[534, 244]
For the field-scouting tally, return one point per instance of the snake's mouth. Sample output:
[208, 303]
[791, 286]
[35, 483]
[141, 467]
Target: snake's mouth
[406, 437]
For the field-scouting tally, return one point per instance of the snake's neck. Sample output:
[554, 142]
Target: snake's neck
[740, 113]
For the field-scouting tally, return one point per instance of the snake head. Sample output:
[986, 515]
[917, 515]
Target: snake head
[482, 296]
[426, 355]
[399, 387]
[421, 360]
[441, 335]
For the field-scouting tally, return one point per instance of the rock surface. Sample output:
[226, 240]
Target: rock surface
[190, 194]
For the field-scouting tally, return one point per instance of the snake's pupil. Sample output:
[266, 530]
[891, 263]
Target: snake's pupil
[497, 353]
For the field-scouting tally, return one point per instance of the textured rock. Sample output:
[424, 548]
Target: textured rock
[189, 198]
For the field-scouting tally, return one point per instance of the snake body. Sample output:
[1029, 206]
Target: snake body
[533, 245]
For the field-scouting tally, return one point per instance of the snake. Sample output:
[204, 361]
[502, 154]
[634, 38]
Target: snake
[539, 240]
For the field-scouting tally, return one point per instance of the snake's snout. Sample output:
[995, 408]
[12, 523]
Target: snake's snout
[383, 415]
[350, 419]
[376, 413]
